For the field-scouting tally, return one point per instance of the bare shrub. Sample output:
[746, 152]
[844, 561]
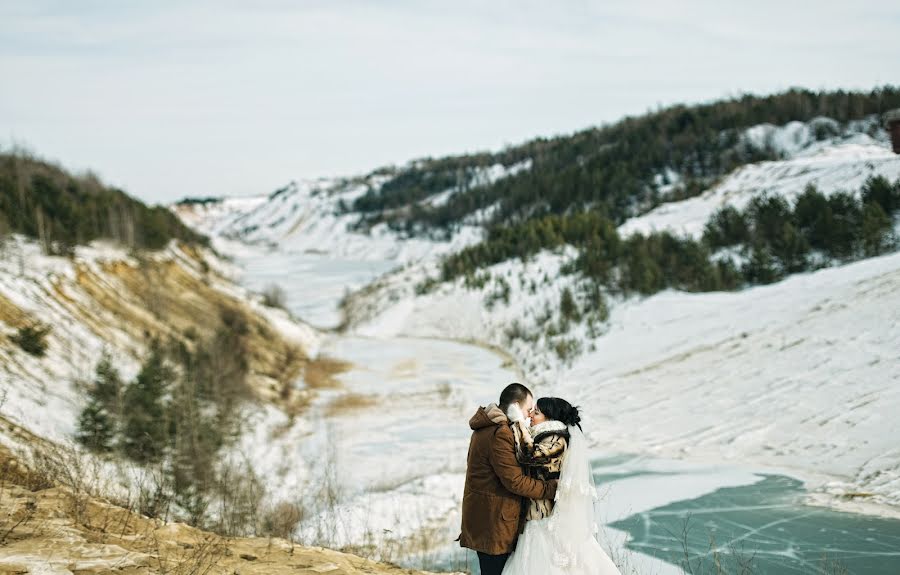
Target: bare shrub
[322, 501]
[717, 560]
[18, 511]
[320, 373]
[281, 520]
[274, 296]
[197, 558]
[153, 492]
[240, 494]
[70, 467]
[12, 469]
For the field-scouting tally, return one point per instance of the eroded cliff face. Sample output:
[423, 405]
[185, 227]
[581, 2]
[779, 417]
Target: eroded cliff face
[107, 299]
[63, 510]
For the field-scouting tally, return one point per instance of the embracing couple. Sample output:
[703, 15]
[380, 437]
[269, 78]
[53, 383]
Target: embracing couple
[528, 501]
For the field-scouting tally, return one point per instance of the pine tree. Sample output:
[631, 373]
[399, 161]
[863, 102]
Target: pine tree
[109, 387]
[567, 306]
[813, 217]
[726, 227]
[879, 189]
[99, 421]
[876, 229]
[760, 269]
[791, 248]
[96, 429]
[144, 430]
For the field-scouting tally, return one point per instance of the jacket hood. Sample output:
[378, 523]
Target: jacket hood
[487, 416]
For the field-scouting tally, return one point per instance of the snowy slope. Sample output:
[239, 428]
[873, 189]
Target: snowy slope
[303, 226]
[90, 304]
[831, 167]
[801, 375]
[798, 375]
[214, 216]
[306, 217]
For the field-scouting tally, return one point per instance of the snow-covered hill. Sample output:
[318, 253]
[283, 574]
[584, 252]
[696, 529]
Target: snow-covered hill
[308, 217]
[842, 166]
[801, 374]
[798, 375]
[106, 299]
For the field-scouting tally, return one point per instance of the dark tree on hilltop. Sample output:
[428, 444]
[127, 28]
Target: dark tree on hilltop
[614, 168]
[60, 210]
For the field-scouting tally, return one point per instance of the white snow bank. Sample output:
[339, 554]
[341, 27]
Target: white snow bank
[843, 167]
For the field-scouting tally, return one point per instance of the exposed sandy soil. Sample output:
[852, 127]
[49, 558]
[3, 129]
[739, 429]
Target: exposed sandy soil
[52, 529]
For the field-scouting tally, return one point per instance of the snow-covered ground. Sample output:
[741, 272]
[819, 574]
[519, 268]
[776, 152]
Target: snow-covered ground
[91, 307]
[830, 167]
[798, 377]
[799, 374]
[306, 217]
[685, 375]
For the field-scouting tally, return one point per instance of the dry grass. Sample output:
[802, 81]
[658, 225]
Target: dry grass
[39, 531]
[321, 372]
[405, 369]
[164, 298]
[12, 315]
[281, 519]
[349, 402]
[197, 558]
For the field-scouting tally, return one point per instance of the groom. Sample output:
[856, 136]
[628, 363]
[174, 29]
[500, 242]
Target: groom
[495, 484]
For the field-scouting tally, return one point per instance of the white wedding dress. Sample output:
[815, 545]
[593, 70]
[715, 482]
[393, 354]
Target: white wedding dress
[566, 542]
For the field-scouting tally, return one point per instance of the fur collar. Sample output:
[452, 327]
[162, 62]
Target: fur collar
[549, 426]
[496, 414]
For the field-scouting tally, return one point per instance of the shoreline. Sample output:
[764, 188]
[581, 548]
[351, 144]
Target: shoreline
[814, 482]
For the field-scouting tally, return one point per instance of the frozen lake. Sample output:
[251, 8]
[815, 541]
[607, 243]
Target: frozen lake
[400, 456]
[313, 283]
[768, 522]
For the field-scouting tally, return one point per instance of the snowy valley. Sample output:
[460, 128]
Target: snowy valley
[765, 410]
[712, 390]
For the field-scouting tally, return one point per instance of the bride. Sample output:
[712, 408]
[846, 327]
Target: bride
[560, 535]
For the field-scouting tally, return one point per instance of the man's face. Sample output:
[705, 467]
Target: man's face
[528, 406]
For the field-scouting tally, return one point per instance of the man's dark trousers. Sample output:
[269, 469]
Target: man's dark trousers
[492, 564]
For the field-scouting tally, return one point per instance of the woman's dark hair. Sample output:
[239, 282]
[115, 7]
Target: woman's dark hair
[559, 409]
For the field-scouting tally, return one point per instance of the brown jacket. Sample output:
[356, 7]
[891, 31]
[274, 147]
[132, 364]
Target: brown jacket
[495, 486]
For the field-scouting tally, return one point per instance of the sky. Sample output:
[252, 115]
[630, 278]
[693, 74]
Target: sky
[168, 99]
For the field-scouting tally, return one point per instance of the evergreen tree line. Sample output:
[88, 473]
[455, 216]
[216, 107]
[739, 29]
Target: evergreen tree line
[40, 200]
[613, 168]
[431, 176]
[178, 412]
[780, 239]
[769, 239]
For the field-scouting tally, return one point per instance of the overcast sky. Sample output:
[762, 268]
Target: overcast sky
[170, 99]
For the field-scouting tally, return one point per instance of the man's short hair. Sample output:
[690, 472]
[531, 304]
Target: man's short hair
[513, 393]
